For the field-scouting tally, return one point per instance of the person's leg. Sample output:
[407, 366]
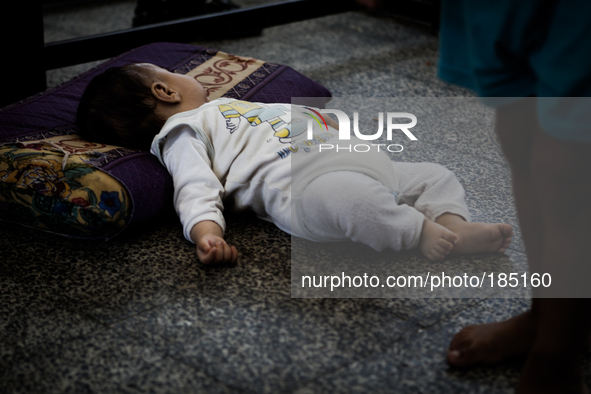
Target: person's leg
[560, 174]
[435, 191]
[554, 361]
[552, 189]
[494, 342]
[348, 205]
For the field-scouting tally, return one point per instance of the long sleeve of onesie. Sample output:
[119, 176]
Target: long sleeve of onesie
[197, 191]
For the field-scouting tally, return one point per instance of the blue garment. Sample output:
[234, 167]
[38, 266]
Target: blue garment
[508, 49]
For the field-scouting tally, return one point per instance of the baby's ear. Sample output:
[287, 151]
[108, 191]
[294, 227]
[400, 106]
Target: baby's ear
[163, 93]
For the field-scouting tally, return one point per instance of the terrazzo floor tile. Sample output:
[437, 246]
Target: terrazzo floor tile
[107, 281]
[297, 44]
[61, 24]
[268, 345]
[258, 274]
[491, 201]
[418, 365]
[31, 316]
[426, 312]
[375, 82]
[467, 168]
[110, 281]
[467, 127]
[369, 107]
[105, 362]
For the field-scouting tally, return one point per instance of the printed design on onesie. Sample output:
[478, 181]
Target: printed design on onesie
[285, 127]
[240, 111]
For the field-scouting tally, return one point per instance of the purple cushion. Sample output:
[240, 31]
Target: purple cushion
[53, 113]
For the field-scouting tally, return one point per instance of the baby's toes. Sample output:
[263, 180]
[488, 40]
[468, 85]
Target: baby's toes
[443, 248]
[434, 255]
[506, 230]
[447, 244]
[505, 245]
[450, 238]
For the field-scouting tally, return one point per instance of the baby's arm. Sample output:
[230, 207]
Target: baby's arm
[211, 246]
[198, 197]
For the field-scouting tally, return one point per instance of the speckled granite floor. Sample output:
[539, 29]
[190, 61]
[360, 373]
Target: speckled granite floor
[139, 314]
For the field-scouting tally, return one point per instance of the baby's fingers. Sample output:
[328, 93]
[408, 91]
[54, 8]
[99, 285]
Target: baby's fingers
[224, 253]
[206, 254]
[219, 255]
[234, 252]
[230, 254]
[227, 253]
[216, 252]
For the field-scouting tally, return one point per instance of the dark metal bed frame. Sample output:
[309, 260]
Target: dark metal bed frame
[26, 56]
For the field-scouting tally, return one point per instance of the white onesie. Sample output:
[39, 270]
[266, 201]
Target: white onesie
[257, 157]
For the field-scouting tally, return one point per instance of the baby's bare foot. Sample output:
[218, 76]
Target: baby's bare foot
[436, 241]
[491, 343]
[477, 237]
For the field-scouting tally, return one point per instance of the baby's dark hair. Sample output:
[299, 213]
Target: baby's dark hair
[117, 108]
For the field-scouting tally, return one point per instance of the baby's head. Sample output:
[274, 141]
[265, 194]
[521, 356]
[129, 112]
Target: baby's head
[128, 105]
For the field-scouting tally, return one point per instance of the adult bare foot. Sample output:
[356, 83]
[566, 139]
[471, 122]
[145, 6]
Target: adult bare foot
[477, 237]
[436, 241]
[491, 343]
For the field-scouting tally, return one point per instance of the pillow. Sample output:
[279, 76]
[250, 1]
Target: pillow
[51, 184]
[53, 180]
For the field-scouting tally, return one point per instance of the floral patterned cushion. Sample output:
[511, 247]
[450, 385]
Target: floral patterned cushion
[52, 184]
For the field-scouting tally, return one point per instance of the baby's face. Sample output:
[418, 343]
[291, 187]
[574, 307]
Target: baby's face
[191, 91]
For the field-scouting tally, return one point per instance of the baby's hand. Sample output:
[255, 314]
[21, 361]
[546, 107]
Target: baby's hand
[212, 248]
